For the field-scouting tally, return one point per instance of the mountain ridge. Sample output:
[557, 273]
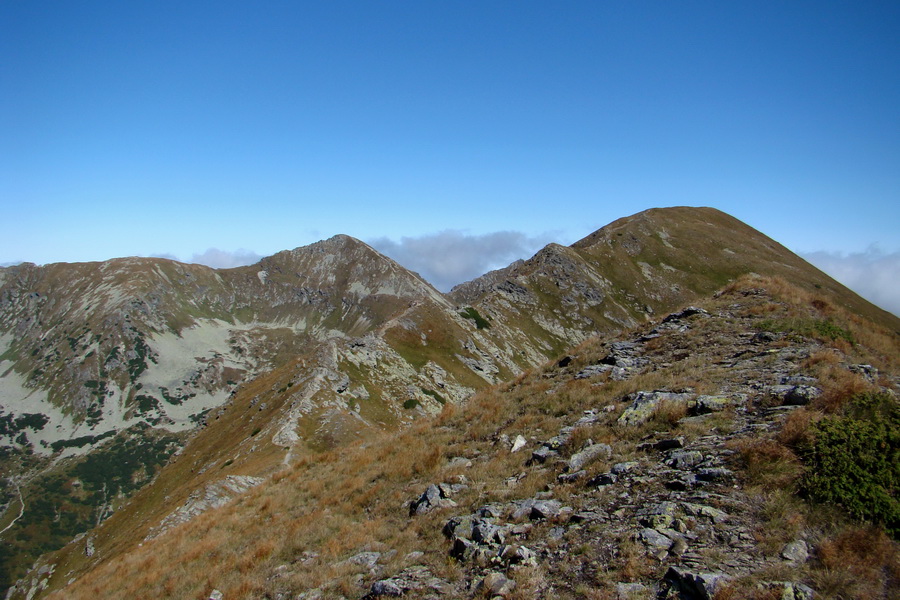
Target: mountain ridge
[311, 348]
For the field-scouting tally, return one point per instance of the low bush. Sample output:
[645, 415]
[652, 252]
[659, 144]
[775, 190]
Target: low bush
[854, 460]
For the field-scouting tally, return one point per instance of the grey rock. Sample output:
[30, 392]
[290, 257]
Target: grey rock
[684, 313]
[581, 459]
[603, 479]
[518, 444]
[485, 532]
[699, 585]
[801, 395]
[541, 455]
[796, 551]
[631, 591]
[459, 527]
[570, 477]
[593, 371]
[387, 587]
[713, 474]
[653, 538]
[545, 509]
[684, 459]
[643, 404]
[624, 467]
[711, 404]
[496, 584]
[462, 548]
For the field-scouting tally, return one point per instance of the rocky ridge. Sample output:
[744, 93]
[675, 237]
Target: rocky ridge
[333, 343]
[564, 484]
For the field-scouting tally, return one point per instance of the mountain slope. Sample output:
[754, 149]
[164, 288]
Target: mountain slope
[246, 373]
[673, 479]
[637, 267]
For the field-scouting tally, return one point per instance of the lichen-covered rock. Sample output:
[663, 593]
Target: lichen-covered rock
[644, 404]
[581, 459]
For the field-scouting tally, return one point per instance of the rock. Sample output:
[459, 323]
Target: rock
[433, 497]
[670, 444]
[644, 404]
[631, 591]
[545, 509]
[386, 587]
[711, 404]
[684, 459]
[565, 361]
[789, 590]
[542, 454]
[518, 443]
[868, 371]
[700, 510]
[624, 467]
[593, 370]
[587, 456]
[801, 395]
[587, 516]
[365, 559]
[484, 532]
[517, 555]
[496, 584]
[713, 474]
[794, 395]
[570, 477]
[764, 337]
[523, 509]
[459, 527]
[699, 585]
[796, 551]
[653, 538]
[684, 313]
[603, 479]
[462, 549]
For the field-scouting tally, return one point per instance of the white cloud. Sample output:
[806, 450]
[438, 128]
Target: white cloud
[871, 274]
[222, 259]
[451, 257]
[217, 259]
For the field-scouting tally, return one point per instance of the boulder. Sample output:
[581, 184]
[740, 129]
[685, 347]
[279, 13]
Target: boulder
[796, 551]
[496, 584]
[644, 404]
[588, 455]
[695, 585]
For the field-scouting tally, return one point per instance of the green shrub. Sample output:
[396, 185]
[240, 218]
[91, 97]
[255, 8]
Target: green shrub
[854, 460]
[824, 329]
[411, 403]
[471, 313]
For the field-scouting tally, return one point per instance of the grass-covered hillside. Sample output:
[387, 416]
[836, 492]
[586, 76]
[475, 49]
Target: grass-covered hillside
[743, 447]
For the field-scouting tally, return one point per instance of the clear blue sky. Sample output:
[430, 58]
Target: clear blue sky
[139, 128]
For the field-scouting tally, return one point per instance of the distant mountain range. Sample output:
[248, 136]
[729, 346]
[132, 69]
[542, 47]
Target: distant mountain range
[148, 374]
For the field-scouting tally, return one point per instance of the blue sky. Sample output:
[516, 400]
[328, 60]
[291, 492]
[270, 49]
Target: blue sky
[237, 129]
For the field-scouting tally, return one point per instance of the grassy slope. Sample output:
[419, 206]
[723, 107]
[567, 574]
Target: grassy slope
[333, 504]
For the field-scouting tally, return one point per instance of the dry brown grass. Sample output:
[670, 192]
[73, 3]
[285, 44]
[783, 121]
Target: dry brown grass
[860, 563]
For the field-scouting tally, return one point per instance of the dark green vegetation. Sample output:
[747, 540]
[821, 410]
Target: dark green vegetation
[10, 425]
[854, 460]
[471, 313]
[79, 494]
[824, 329]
